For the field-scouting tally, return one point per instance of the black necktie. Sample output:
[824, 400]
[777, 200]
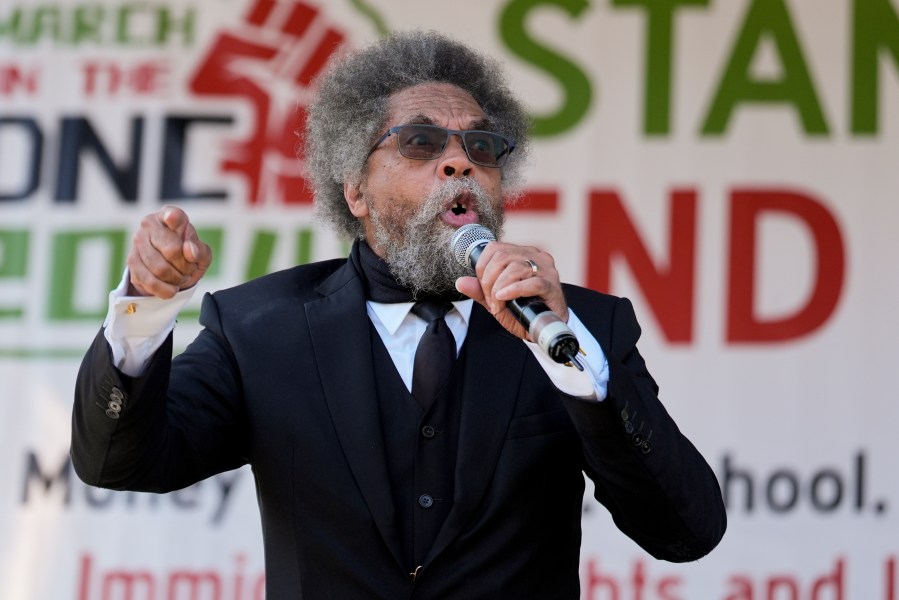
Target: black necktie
[435, 354]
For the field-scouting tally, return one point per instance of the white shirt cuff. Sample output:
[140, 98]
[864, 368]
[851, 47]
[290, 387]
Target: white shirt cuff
[136, 326]
[593, 381]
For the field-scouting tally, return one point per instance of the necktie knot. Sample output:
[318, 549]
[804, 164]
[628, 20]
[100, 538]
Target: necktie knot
[431, 311]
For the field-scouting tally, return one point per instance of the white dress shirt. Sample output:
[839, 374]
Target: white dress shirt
[136, 326]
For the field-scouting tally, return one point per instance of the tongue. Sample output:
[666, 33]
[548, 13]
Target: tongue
[464, 218]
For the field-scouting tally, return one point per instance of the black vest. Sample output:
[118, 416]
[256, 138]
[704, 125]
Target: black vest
[421, 450]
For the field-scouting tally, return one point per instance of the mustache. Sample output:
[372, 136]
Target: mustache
[447, 191]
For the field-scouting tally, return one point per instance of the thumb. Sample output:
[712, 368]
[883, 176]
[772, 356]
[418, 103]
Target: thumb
[194, 249]
[471, 287]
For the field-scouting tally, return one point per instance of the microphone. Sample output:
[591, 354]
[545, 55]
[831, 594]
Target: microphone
[544, 326]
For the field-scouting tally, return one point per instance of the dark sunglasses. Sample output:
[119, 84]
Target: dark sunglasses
[427, 142]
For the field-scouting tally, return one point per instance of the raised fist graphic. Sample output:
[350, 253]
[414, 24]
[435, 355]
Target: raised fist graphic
[269, 60]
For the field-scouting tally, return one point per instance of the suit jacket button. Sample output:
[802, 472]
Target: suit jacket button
[114, 406]
[112, 414]
[116, 394]
[628, 427]
[646, 447]
[637, 439]
[427, 431]
[425, 501]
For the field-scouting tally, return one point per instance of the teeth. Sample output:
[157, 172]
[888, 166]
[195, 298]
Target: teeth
[458, 209]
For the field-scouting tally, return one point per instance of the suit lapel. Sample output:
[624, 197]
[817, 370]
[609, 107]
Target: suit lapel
[339, 326]
[492, 375]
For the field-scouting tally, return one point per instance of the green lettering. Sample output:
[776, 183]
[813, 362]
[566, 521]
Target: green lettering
[45, 23]
[771, 18]
[13, 263]
[11, 26]
[875, 27]
[574, 82]
[123, 26]
[64, 273]
[659, 50]
[88, 21]
[261, 254]
[263, 250]
[167, 25]
[305, 237]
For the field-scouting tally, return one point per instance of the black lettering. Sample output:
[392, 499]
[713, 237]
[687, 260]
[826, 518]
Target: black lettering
[175, 132]
[792, 488]
[33, 162]
[34, 474]
[836, 484]
[731, 475]
[78, 136]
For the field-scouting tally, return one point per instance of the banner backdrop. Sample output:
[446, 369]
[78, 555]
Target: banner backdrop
[732, 167]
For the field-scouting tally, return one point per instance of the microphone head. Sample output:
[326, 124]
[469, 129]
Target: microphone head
[466, 239]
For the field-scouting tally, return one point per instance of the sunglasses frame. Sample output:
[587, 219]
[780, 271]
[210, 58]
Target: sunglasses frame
[500, 160]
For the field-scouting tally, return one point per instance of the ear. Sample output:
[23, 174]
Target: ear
[352, 192]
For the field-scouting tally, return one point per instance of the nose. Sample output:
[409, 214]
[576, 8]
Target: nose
[454, 161]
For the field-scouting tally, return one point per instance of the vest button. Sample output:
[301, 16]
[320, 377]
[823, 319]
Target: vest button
[425, 501]
[427, 431]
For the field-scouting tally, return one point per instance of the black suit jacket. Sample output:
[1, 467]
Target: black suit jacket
[281, 377]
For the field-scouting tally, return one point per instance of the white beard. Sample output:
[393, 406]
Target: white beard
[417, 247]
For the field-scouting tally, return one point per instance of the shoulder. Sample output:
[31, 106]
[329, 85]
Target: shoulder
[600, 312]
[296, 284]
[587, 299]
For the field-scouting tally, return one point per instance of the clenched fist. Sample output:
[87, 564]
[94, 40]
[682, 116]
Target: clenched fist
[166, 255]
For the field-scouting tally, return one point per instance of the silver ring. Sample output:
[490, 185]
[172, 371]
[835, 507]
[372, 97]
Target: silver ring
[532, 265]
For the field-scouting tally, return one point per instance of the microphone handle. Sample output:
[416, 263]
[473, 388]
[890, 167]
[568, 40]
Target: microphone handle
[546, 329]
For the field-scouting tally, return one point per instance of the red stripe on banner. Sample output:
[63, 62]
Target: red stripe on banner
[330, 42]
[542, 201]
[301, 16]
[260, 11]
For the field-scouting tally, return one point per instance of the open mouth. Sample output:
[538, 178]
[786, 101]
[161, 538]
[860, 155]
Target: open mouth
[460, 204]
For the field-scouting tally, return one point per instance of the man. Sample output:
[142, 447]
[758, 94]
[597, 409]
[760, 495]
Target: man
[371, 484]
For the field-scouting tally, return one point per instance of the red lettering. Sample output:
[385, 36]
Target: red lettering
[597, 581]
[638, 584]
[667, 588]
[830, 582]
[741, 588]
[259, 591]
[544, 201]
[194, 580]
[783, 582]
[85, 577]
[178, 584]
[743, 322]
[17, 79]
[668, 289]
[128, 581]
[111, 79]
[890, 576]
[828, 586]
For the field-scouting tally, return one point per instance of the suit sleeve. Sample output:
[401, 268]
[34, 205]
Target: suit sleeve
[659, 489]
[178, 423]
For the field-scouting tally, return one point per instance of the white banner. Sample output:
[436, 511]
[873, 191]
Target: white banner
[729, 166]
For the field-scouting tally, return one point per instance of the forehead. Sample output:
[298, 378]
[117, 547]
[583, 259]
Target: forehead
[440, 103]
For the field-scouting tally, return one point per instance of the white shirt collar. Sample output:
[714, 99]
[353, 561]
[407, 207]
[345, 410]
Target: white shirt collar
[392, 315]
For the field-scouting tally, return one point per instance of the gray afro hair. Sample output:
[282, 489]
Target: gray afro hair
[352, 106]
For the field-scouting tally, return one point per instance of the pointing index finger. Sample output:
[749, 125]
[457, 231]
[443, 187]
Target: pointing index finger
[175, 219]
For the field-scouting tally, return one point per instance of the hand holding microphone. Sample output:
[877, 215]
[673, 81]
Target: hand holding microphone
[510, 278]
